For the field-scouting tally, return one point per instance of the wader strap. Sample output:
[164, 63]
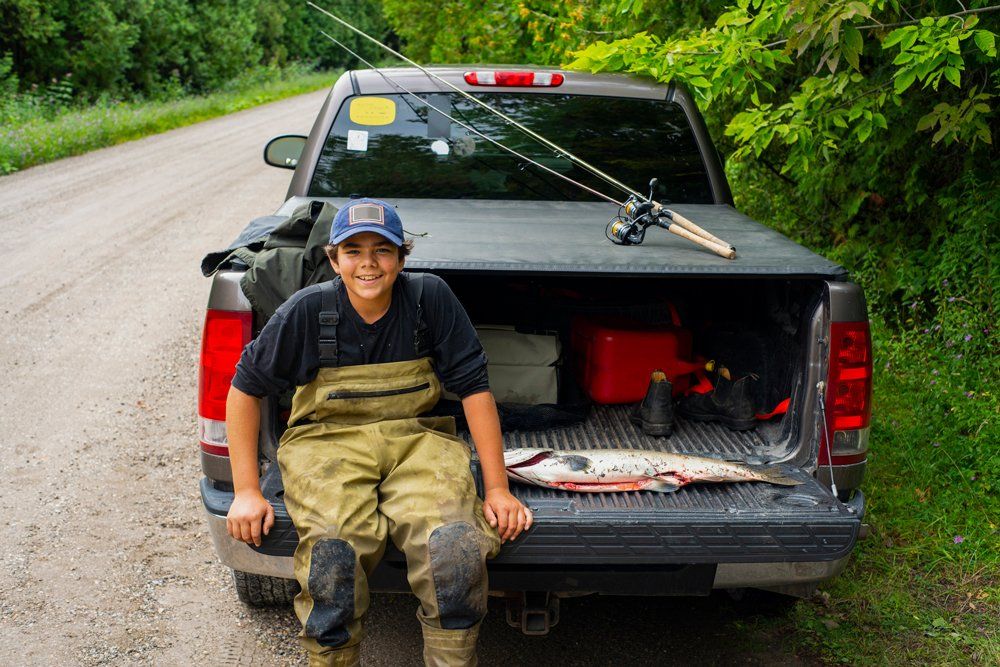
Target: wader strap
[328, 319]
[421, 332]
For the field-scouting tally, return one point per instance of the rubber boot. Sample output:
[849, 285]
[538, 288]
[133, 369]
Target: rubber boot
[728, 403]
[450, 648]
[655, 415]
[349, 656]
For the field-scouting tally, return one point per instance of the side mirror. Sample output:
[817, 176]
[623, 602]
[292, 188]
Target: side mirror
[284, 151]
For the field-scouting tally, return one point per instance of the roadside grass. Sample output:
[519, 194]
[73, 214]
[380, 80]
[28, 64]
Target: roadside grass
[924, 588]
[34, 135]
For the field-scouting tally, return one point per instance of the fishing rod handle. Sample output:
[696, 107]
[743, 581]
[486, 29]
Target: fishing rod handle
[688, 225]
[720, 250]
[691, 227]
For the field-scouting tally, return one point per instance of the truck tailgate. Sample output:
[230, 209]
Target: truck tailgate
[701, 523]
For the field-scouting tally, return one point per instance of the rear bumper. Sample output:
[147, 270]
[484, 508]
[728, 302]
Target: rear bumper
[239, 556]
[596, 551]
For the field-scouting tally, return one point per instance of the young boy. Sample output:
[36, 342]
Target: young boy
[367, 354]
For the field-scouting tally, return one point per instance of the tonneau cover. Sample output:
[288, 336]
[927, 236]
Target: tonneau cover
[569, 238]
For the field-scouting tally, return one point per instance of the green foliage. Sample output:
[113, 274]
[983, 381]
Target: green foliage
[164, 49]
[34, 138]
[780, 61]
[305, 23]
[527, 30]
[8, 83]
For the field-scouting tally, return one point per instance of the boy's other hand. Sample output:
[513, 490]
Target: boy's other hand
[249, 515]
[506, 513]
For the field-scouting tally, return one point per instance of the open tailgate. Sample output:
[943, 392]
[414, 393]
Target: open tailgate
[745, 522]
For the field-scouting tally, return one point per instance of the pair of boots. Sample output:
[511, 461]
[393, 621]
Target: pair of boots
[442, 648]
[728, 403]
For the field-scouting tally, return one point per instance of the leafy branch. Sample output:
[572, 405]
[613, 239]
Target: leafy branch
[739, 59]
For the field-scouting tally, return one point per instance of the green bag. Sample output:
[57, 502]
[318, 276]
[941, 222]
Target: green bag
[291, 258]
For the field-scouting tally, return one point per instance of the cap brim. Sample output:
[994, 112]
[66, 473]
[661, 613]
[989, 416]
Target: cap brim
[357, 229]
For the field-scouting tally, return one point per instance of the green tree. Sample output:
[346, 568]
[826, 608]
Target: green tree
[123, 48]
[303, 26]
[30, 32]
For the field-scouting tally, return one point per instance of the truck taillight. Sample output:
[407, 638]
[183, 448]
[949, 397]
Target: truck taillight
[514, 79]
[225, 335]
[849, 391]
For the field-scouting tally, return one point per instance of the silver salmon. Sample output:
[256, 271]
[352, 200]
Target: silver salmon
[596, 470]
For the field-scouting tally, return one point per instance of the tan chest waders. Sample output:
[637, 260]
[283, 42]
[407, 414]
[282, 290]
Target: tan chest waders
[359, 466]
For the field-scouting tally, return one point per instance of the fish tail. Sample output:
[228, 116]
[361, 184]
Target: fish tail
[775, 475]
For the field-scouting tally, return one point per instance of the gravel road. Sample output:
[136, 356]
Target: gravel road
[105, 557]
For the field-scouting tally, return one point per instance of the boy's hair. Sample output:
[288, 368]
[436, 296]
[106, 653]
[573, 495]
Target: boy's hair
[404, 250]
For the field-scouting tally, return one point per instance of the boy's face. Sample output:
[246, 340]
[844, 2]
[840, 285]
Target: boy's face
[368, 263]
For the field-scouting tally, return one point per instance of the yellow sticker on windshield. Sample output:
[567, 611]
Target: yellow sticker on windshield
[373, 110]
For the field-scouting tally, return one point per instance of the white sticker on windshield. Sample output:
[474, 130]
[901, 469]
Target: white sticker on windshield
[357, 140]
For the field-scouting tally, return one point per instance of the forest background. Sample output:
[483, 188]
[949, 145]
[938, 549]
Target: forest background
[864, 130]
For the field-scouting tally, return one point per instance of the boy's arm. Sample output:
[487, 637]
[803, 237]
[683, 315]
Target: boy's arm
[502, 510]
[250, 511]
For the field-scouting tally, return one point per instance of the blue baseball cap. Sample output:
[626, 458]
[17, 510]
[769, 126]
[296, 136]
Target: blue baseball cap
[367, 215]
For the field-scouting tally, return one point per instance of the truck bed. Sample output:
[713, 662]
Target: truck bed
[700, 523]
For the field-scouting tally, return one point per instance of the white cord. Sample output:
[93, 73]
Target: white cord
[821, 386]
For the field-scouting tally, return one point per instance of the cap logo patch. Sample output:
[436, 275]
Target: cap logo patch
[367, 213]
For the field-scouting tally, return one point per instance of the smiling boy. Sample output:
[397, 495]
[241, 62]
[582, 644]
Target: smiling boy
[367, 354]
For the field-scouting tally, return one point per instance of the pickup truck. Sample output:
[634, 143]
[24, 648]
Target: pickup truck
[525, 250]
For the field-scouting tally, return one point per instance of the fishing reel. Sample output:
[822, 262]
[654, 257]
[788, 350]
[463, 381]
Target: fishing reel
[634, 217]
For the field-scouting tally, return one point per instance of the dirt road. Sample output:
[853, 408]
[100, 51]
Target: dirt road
[105, 555]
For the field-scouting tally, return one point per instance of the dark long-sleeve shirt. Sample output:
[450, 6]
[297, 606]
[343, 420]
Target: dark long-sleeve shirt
[286, 353]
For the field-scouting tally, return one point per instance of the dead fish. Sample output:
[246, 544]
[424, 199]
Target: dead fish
[597, 470]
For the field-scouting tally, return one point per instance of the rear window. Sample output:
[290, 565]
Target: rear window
[393, 146]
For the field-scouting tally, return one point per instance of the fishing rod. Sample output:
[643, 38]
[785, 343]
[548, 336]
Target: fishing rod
[642, 213]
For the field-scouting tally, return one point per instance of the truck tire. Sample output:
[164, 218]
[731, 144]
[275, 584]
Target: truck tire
[259, 590]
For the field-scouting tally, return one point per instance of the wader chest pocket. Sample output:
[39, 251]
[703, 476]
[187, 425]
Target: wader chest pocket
[335, 395]
[366, 402]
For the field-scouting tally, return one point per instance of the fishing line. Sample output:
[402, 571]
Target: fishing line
[467, 126]
[534, 135]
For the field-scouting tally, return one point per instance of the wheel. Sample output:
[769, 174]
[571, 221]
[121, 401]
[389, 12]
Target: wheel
[259, 590]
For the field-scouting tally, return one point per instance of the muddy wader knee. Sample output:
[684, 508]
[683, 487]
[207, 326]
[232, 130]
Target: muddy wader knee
[358, 465]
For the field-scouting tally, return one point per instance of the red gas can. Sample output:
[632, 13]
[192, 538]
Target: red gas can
[614, 358]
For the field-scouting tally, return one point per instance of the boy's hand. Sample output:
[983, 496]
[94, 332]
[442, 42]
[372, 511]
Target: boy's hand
[506, 513]
[249, 513]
